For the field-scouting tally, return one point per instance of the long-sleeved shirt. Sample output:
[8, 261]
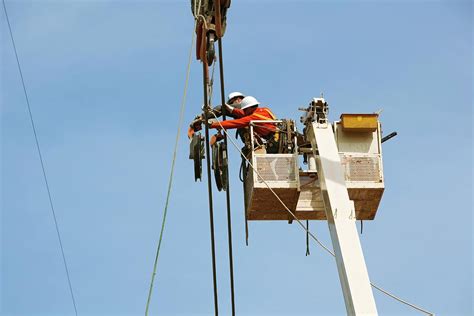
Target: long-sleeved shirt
[260, 114]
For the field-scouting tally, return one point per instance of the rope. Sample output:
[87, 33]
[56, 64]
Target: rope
[307, 239]
[170, 181]
[197, 15]
[51, 204]
[211, 83]
[401, 300]
[311, 234]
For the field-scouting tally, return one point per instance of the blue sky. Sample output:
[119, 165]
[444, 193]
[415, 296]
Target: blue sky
[105, 80]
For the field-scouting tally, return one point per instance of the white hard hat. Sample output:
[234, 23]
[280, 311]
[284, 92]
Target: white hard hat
[235, 95]
[248, 102]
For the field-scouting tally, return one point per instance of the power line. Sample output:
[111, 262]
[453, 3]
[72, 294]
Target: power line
[205, 77]
[227, 191]
[41, 160]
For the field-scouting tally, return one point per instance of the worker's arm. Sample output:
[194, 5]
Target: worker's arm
[231, 111]
[238, 113]
[238, 123]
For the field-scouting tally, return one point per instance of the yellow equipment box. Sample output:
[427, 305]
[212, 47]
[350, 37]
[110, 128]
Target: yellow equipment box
[360, 122]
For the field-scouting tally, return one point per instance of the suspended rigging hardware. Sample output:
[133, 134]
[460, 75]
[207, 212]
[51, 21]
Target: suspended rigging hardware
[219, 165]
[196, 153]
[216, 166]
[211, 26]
[38, 148]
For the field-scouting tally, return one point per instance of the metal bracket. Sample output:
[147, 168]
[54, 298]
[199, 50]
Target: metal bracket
[316, 112]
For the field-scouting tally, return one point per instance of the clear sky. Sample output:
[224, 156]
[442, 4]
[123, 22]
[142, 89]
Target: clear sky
[105, 80]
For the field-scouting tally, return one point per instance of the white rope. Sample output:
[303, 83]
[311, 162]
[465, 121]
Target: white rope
[306, 230]
[170, 181]
[400, 300]
[211, 83]
[197, 13]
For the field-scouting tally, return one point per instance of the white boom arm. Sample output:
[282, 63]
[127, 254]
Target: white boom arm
[341, 217]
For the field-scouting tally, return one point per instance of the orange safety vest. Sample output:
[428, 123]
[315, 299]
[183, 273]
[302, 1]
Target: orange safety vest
[260, 114]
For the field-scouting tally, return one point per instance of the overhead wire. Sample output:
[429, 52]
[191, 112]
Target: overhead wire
[170, 181]
[208, 91]
[38, 148]
[207, 109]
[197, 16]
[309, 232]
[229, 217]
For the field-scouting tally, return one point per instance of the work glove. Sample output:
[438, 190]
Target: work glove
[218, 110]
[190, 132]
[196, 123]
[229, 109]
[213, 121]
[215, 138]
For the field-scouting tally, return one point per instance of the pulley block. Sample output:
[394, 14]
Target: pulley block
[196, 153]
[211, 49]
[219, 165]
[211, 24]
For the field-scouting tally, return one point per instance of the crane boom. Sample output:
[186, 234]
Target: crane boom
[340, 214]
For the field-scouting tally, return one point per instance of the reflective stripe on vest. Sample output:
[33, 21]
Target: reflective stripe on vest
[272, 117]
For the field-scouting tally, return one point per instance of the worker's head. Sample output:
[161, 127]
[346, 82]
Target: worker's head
[235, 98]
[249, 104]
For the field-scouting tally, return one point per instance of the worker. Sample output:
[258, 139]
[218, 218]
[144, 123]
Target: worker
[249, 111]
[233, 101]
[235, 98]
